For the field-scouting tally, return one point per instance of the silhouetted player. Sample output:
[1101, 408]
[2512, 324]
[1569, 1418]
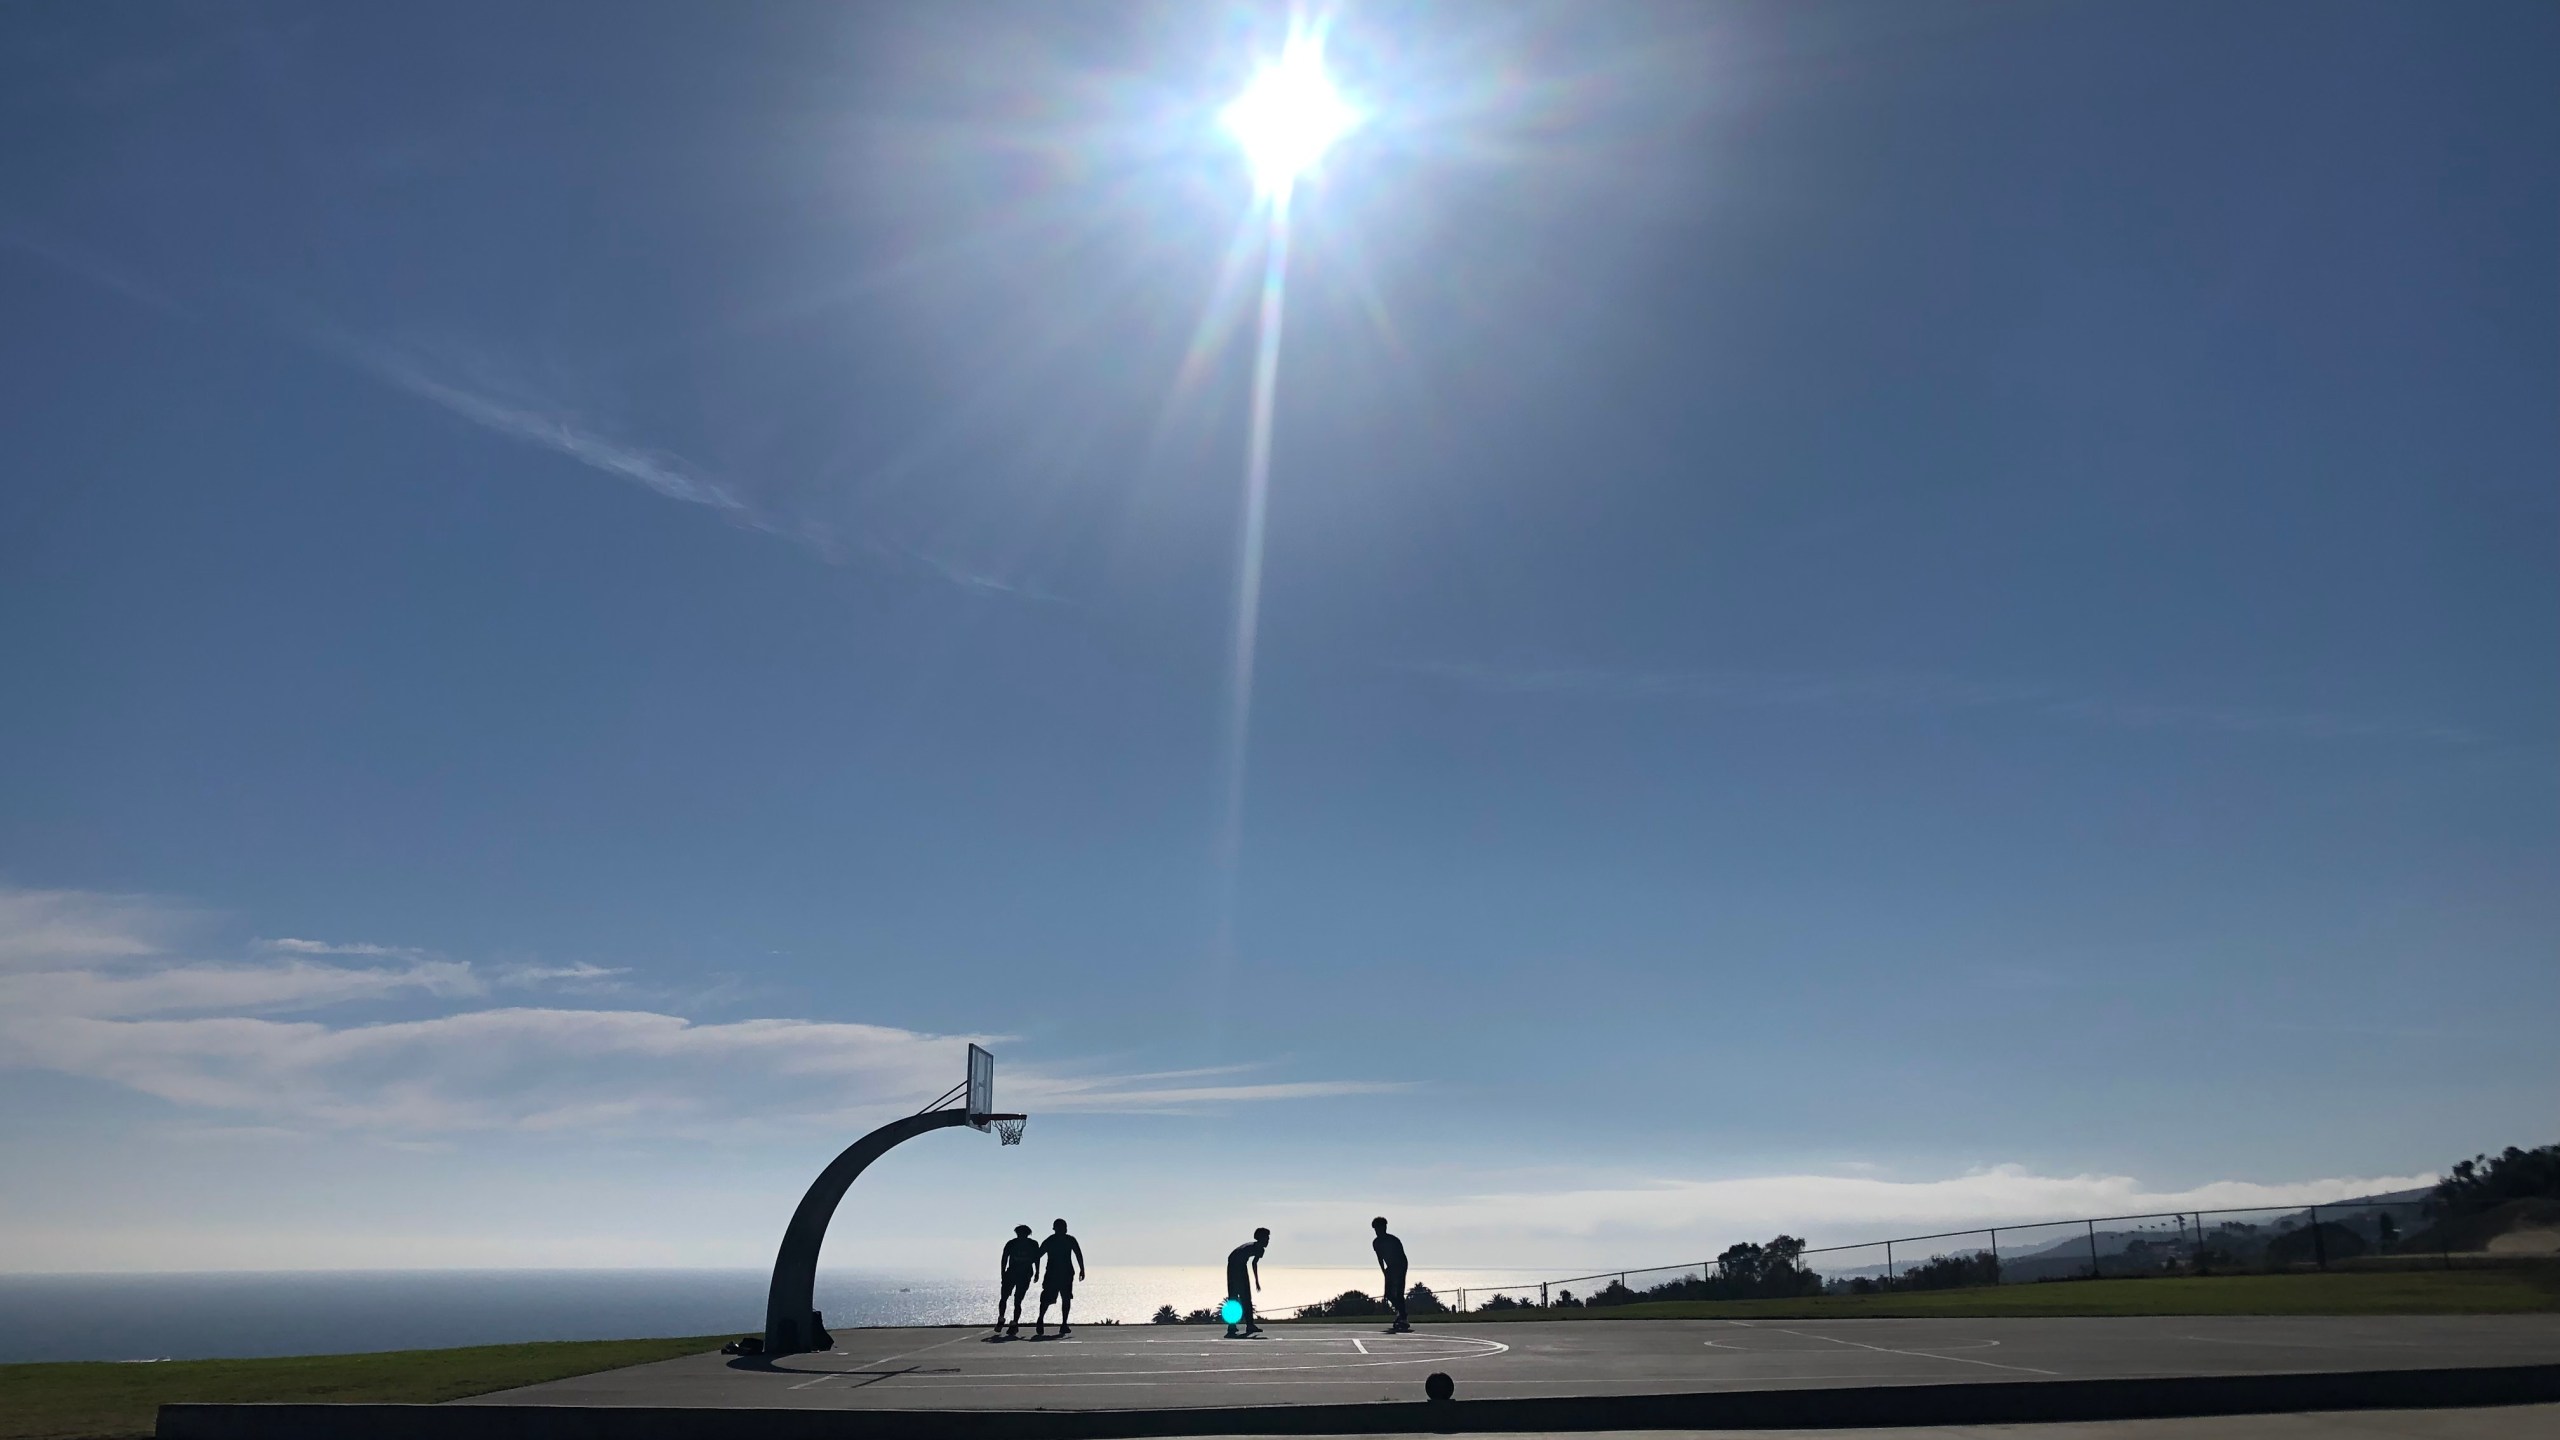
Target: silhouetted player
[1391, 1260]
[1058, 1277]
[1244, 1276]
[1013, 1276]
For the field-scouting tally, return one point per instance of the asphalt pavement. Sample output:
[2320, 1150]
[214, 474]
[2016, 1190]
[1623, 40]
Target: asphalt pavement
[1123, 1367]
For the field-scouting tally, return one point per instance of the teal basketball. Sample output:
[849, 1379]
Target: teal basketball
[1232, 1311]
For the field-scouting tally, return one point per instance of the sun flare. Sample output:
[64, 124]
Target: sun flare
[1289, 116]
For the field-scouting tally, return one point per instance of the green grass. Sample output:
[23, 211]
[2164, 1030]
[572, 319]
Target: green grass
[108, 1401]
[2457, 1292]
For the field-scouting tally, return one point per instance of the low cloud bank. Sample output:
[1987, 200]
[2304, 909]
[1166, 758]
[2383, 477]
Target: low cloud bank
[1669, 1220]
[92, 986]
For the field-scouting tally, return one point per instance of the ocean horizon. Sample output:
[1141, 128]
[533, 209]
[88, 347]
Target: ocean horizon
[196, 1315]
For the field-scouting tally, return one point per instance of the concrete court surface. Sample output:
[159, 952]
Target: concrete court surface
[1159, 1366]
[2496, 1422]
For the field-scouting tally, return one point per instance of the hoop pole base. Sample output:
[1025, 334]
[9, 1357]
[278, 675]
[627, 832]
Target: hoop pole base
[790, 1317]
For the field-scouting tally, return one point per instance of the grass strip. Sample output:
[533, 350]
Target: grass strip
[105, 1400]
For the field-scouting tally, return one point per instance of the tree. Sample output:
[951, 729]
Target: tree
[1166, 1315]
[1419, 1300]
[1741, 1266]
[2484, 1181]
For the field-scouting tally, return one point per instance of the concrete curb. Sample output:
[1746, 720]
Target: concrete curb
[1987, 1403]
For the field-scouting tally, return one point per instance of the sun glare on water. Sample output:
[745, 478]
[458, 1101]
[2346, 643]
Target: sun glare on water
[1289, 116]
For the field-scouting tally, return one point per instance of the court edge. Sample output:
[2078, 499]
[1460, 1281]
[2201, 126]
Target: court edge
[1983, 1403]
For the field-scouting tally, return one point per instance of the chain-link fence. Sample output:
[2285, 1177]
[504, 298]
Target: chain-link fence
[2390, 1233]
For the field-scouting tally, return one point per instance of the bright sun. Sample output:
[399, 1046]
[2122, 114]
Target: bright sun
[1289, 116]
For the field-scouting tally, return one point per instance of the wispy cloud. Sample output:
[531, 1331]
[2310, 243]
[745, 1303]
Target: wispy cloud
[551, 425]
[972, 578]
[1889, 692]
[95, 994]
[581, 976]
[534, 421]
[93, 268]
[237, 989]
[291, 946]
[512, 411]
[47, 928]
[1130, 1094]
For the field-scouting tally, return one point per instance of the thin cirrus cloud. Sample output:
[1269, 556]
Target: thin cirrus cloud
[290, 946]
[98, 993]
[1907, 693]
[516, 414]
[549, 426]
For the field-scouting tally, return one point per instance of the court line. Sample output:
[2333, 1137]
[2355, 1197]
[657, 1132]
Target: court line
[1495, 1347]
[1570, 1387]
[1356, 1345]
[1732, 1349]
[1919, 1354]
[2351, 1344]
[880, 1363]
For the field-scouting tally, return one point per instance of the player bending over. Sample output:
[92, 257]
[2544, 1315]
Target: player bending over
[1390, 1252]
[1244, 1276]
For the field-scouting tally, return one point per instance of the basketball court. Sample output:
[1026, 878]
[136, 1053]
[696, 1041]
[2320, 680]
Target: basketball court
[1191, 1367]
[1134, 1367]
[1310, 1377]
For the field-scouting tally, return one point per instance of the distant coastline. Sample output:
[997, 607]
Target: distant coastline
[211, 1314]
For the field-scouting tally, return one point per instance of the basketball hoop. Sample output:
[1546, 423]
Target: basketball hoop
[1009, 1131]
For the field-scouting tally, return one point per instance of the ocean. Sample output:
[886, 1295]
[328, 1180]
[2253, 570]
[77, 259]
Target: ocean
[208, 1314]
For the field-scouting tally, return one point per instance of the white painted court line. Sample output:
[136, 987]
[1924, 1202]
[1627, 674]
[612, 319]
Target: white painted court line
[1356, 1345]
[1568, 1387]
[1920, 1354]
[870, 1365]
[1484, 1349]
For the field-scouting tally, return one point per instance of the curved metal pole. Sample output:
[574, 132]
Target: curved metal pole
[790, 1319]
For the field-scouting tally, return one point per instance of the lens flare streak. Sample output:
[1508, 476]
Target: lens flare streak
[1257, 488]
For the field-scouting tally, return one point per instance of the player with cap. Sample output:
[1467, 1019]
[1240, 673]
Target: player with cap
[1013, 1277]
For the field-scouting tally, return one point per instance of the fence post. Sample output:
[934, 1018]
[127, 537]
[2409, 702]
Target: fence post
[2319, 1246]
[2095, 1269]
[1542, 1294]
[1888, 1264]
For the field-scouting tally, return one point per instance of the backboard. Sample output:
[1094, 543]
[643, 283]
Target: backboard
[982, 1085]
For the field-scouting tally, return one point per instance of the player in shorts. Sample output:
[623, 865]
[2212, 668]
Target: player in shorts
[1013, 1276]
[1244, 1276]
[1390, 1251]
[1058, 1277]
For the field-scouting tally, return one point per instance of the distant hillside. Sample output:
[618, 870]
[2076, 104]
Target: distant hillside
[2521, 1227]
[2401, 1204]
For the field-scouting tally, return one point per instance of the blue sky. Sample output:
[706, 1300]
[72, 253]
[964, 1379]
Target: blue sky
[1870, 616]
